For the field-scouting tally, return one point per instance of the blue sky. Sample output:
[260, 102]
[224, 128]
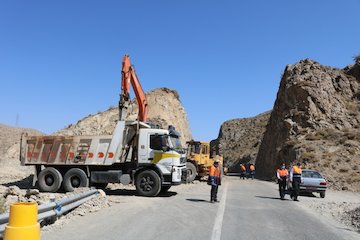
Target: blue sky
[60, 60]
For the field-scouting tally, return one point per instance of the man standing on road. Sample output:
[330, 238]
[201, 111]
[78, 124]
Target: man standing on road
[252, 171]
[242, 171]
[282, 174]
[295, 179]
[214, 180]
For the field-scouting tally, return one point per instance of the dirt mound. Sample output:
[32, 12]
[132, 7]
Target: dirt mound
[315, 120]
[239, 140]
[165, 109]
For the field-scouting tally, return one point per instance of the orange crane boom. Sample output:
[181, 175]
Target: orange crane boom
[128, 76]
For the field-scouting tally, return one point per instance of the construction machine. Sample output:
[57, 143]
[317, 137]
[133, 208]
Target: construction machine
[199, 160]
[135, 153]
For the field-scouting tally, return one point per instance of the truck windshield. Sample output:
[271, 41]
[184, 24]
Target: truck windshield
[158, 142]
[175, 141]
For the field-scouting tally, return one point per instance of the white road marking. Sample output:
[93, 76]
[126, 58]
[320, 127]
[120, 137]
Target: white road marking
[216, 233]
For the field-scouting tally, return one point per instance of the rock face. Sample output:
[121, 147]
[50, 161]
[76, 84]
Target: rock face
[165, 109]
[239, 140]
[315, 120]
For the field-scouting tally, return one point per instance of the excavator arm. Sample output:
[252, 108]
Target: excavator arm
[128, 76]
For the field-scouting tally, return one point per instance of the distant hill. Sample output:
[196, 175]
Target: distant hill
[239, 140]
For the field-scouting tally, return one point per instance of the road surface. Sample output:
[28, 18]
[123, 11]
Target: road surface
[248, 209]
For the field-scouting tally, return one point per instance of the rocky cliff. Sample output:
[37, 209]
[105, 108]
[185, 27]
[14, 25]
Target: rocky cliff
[316, 120]
[165, 109]
[239, 140]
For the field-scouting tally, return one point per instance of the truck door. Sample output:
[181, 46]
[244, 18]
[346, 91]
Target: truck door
[155, 147]
[151, 147]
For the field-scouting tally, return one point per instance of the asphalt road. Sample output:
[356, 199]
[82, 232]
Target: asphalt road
[248, 209]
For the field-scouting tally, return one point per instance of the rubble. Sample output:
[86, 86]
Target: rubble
[352, 217]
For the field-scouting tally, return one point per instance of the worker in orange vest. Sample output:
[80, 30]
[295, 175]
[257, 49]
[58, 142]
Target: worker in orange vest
[242, 171]
[295, 179]
[252, 171]
[282, 174]
[214, 180]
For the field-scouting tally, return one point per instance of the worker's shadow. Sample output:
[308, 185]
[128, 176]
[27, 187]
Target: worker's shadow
[196, 200]
[272, 198]
[288, 194]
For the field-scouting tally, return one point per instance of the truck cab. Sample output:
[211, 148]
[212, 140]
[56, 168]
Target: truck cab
[159, 148]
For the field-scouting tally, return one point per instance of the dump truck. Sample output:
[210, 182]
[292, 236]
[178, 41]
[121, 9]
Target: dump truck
[199, 160]
[136, 152]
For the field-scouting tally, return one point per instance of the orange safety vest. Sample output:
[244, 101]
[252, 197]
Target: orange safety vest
[242, 168]
[283, 172]
[296, 170]
[252, 168]
[214, 171]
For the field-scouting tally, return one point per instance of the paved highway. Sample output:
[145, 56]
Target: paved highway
[248, 209]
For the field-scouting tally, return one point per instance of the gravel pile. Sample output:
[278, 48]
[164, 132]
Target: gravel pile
[13, 194]
[352, 217]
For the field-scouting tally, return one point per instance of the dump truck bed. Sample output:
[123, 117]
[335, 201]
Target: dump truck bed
[73, 150]
[60, 150]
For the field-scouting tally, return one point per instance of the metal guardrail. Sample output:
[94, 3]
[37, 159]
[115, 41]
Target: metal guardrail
[54, 209]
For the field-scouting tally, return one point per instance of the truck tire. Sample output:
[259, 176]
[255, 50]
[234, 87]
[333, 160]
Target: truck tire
[49, 180]
[322, 194]
[191, 172]
[148, 183]
[75, 178]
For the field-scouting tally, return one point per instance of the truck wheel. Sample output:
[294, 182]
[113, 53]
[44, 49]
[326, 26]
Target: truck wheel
[148, 183]
[164, 189]
[322, 194]
[75, 178]
[49, 180]
[190, 172]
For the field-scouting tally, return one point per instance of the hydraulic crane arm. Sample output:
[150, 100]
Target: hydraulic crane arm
[128, 76]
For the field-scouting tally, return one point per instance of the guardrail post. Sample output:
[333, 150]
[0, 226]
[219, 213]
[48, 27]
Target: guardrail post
[23, 223]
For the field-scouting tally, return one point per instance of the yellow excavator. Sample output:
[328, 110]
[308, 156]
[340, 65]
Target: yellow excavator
[199, 160]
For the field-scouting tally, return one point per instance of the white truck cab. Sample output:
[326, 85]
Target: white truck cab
[156, 147]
